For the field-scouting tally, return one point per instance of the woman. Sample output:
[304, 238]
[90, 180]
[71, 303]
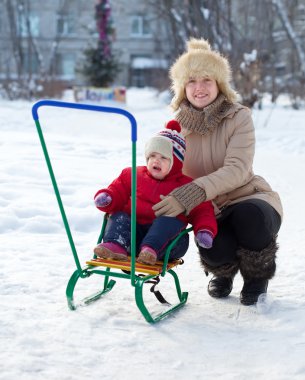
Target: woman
[220, 146]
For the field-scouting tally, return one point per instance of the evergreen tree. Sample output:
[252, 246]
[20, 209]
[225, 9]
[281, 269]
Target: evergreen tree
[100, 66]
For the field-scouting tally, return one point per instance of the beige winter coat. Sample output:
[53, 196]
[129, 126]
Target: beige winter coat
[221, 161]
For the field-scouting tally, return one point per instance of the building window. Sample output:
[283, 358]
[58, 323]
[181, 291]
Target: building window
[140, 73]
[30, 63]
[65, 65]
[140, 26]
[147, 70]
[28, 25]
[65, 24]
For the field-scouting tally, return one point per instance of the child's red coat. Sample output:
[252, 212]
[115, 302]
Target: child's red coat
[149, 190]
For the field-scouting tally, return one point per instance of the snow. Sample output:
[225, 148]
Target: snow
[205, 12]
[176, 15]
[149, 63]
[42, 339]
[250, 57]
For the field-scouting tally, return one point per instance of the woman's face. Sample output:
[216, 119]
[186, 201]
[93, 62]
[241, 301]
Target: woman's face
[201, 92]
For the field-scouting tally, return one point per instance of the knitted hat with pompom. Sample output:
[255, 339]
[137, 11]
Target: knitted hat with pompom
[169, 142]
[200, 61]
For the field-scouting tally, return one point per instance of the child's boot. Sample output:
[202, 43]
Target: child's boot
[110, 251]
[147, 256]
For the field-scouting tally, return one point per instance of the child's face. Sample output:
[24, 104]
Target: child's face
[201, 92]
[158, 165]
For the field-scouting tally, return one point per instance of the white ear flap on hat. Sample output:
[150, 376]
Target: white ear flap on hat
[159, 144]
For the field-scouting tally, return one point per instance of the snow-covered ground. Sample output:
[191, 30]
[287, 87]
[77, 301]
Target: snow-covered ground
[42, 339]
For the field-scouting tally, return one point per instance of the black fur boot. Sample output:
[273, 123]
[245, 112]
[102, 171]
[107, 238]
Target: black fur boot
[256, 267]
[221, 284]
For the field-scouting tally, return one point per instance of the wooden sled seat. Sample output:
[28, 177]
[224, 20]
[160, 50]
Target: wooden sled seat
[139, 267]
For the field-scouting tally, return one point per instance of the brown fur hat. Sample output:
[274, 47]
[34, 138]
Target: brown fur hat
[200, 61]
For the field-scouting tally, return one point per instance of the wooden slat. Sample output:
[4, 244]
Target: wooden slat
[142, 268]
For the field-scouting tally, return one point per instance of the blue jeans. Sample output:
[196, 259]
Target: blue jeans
[156, 235]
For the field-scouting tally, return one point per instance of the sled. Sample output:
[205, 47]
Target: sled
[137, 274]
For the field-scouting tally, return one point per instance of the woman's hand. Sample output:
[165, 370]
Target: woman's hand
[168, 206]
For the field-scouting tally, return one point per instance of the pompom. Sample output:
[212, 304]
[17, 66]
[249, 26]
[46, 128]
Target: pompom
[173, 125]
[195, 43]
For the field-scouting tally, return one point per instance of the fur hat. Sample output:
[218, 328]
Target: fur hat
[168, 142]
[200, 61]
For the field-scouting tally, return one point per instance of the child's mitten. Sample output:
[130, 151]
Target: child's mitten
[102, 200]
[205, 239]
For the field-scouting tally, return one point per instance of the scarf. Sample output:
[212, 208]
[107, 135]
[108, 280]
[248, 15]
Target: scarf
[205, 121]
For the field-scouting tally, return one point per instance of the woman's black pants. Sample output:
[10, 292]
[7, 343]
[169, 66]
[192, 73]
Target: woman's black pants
[250, 224]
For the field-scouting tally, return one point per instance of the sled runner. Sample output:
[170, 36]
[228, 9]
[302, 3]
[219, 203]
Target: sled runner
[138, 274]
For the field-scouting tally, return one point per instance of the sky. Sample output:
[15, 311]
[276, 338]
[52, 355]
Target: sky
[41, 338]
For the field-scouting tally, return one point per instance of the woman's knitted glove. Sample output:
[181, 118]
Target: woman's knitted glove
[169, 206]
[189, 195]
[205, 239]
[103, 200]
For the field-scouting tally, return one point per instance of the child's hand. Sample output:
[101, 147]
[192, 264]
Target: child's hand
[205, 239]
[102, 200]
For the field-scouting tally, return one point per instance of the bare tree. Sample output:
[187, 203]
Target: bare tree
[293, 37]
[295, 83]
[196, 18]
[209, 19]
[243, 30]
[24, 45]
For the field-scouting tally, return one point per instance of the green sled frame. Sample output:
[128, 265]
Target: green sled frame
[136, 280]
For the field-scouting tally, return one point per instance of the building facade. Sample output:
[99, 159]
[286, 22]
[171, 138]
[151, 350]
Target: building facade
[141, 43]
[43, 43]
[47, 40]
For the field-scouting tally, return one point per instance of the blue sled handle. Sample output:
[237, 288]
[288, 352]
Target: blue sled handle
[88, 107]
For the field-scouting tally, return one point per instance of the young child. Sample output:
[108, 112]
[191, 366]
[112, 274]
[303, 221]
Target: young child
[164, 155]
